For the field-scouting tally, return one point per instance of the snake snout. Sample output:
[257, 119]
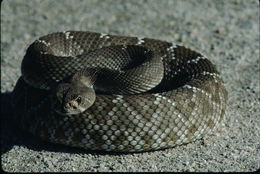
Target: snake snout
[72, 105]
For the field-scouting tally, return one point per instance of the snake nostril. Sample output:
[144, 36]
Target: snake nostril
[71, 105]
[68, 105]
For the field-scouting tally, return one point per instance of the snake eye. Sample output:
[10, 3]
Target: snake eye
[78, 99]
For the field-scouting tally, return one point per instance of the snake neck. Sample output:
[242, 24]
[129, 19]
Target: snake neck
[84, 78]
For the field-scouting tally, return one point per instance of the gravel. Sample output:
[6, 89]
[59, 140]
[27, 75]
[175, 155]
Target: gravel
[225, 31]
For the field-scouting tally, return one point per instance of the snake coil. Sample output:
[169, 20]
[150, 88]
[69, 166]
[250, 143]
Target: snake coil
[181, 101]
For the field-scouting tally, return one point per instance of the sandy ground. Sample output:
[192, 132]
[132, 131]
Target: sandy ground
[225, 31]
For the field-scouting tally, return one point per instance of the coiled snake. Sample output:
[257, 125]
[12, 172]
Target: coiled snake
[116, 93]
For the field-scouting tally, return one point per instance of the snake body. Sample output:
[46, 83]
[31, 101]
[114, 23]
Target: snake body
[174, 98]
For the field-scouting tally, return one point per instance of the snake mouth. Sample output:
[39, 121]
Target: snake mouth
[61, 113]
[64, 112]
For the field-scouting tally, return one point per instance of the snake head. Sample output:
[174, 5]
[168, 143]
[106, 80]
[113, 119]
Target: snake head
[73, 99]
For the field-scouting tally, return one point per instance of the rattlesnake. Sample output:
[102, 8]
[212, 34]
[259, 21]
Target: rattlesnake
[152, 94]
